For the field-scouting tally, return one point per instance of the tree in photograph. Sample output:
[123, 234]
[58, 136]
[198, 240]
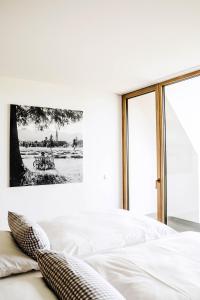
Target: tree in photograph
[40, 116]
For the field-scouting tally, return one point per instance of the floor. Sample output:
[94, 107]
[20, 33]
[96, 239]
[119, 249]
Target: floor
[180, 224]
[183, 225]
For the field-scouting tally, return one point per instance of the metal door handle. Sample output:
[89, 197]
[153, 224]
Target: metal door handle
[157, 182]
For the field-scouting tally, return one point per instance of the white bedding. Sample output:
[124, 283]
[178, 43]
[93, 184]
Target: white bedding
[12, 259]
[165, 269]
[29, 286]
[85, 233]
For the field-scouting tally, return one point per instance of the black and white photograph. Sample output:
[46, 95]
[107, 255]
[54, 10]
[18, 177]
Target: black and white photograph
[46, 145]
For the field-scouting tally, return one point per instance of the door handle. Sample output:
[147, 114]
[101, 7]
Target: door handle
[157, 183]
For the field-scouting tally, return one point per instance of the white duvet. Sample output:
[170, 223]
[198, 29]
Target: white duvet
[85, 233]
[165, 269]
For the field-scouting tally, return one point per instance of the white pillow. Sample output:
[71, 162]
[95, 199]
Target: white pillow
[12, 259]
[86, 233]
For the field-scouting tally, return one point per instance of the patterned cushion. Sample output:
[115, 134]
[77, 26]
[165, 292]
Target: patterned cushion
[72, 279]
[28, 235]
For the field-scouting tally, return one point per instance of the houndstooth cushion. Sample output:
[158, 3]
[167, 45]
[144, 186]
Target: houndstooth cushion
[72, 279]
[28, 235]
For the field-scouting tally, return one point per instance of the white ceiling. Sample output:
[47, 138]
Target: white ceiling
[115, 45]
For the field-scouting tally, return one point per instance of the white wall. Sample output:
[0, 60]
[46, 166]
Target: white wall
[101, 187]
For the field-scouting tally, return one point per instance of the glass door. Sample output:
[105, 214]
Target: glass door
[182, 106]
[142, 154]
[161, 143]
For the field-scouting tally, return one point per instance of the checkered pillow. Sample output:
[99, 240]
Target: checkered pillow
[72, 279]
[28, 235]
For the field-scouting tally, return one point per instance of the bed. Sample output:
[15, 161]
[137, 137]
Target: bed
[122, 248]
[166, 269]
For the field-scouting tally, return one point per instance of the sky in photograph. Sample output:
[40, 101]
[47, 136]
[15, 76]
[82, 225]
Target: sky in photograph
[66, 133]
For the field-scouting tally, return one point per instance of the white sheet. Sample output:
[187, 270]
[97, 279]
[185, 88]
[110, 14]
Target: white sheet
[166, 269]
[29, 286]
[85, 233]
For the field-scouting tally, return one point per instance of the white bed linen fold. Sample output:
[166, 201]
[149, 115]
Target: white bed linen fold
[166, 269]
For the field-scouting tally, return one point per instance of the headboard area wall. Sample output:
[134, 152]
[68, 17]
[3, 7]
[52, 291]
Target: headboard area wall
[101, 185]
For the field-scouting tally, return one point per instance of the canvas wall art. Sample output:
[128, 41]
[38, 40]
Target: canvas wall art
[46, 145]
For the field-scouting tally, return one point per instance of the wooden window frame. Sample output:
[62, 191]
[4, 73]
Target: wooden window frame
[161, 182]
